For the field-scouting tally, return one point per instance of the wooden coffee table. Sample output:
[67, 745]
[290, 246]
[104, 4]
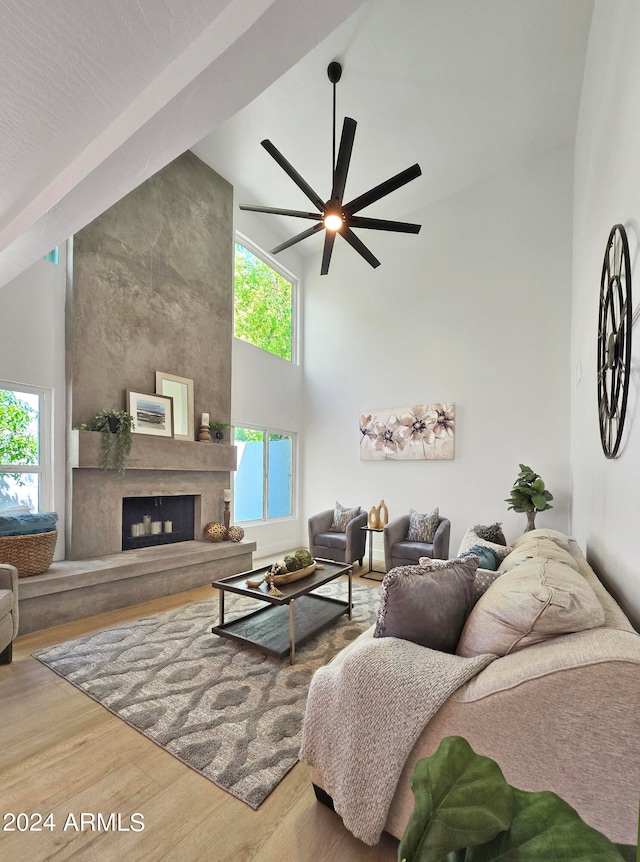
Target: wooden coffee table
[286, 621]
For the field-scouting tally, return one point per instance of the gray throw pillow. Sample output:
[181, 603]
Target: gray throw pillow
[422, 528]
[491, 533]
[341, 517]
[428, 607]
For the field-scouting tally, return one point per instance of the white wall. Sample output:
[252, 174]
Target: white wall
[606, 494]
[474, 310]
[32, 351]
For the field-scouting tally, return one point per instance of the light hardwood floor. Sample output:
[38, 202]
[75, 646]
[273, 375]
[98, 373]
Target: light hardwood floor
[62, 753]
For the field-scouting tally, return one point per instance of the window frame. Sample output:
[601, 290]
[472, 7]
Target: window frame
[270, 261]
[266, 431]
[45, 443]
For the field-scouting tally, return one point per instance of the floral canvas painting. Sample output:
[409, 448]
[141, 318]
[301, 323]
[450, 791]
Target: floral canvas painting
[421, 432]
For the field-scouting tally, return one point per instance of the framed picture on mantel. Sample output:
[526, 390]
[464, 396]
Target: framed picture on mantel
[152, 414]
[181, 390]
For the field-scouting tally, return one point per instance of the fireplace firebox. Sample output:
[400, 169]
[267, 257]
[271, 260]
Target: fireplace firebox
[151, 521]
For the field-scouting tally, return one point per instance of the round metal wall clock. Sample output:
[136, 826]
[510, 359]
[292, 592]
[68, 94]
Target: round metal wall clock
[614, 340]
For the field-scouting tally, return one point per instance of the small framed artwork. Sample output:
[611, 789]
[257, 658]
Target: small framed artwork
[181, 390]
[152, 414]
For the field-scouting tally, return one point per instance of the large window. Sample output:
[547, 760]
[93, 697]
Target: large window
[263, 487]
[264, 302]
[24, 448]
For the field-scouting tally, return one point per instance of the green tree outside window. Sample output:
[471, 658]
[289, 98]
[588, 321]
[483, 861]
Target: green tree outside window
[18, 442]
[263, 305]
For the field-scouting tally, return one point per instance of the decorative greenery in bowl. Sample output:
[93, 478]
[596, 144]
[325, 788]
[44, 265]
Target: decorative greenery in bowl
[115, 428]
[529, 495]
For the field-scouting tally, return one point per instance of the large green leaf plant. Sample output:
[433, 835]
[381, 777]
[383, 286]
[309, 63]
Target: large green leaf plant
[465, 811]
[529, 493]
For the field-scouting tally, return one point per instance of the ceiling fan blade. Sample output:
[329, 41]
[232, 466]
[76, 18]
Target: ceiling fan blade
[383, 189]
[329, 239]
[278, 211]
[344, 157]
[288, 168]
[297, 238]
[359, 246]
[384, 224]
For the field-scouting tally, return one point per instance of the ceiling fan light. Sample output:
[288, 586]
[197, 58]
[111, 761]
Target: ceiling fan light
[333, 221]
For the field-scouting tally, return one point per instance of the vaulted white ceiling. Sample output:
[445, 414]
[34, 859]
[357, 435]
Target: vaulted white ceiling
[98, 96]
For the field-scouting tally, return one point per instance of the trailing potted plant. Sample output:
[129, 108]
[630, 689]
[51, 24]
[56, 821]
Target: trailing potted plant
[217, 429]
[115, 428]
[529, 495]
[465, 810]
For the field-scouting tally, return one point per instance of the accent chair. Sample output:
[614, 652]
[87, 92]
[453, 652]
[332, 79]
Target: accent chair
[8, 611]
[399, 551]
[344, 547]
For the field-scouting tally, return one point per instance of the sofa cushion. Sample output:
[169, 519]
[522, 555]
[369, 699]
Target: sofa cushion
[330, 540]
[427, 606]
[422, 528]
[491, 533]
[555, 536]
[341, 517]
[27, 524]
[537, 600]
[471, 538]
[537, 548]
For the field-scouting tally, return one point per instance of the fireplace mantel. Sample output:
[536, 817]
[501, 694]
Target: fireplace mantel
[155, 453]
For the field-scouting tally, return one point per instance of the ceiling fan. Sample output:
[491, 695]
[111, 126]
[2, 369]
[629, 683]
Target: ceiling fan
[333, 215]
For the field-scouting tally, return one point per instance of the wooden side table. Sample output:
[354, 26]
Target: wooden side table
[370, 532]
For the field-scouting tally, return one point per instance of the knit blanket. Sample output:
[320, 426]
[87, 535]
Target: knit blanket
[364, 716]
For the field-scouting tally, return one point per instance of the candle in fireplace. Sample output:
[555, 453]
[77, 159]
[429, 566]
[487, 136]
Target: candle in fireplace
[226, 495]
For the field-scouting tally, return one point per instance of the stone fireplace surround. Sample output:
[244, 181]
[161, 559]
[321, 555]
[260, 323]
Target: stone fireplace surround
[149, 288]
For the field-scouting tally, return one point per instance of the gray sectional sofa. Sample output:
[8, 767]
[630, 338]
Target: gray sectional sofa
[560, 714]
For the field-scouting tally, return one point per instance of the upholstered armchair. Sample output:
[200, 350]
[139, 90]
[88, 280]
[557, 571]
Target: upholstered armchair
[342, 547]
[8, 611]
[399, 551]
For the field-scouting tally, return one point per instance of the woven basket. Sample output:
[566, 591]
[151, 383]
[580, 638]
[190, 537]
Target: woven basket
[31, 554]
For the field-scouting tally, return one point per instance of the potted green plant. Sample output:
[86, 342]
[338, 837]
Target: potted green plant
[115, 428]
[529, 495]
[217, 429]
[465, 810]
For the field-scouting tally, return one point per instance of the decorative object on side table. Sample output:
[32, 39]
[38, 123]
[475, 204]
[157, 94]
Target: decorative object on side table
[214, 532]
[204, 435]
[615, 320]
[115, 427]
[378, 516]
[529, 495]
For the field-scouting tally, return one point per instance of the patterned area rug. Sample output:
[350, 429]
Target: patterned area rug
[226, 710]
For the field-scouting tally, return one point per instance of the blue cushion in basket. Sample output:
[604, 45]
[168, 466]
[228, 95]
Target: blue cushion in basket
[27, 524]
